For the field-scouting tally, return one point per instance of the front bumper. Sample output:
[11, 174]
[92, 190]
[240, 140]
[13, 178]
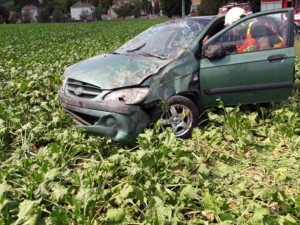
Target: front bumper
[120, 122]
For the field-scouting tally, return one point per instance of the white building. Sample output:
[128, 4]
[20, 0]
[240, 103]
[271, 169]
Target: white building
[81, 7]
[30, 12]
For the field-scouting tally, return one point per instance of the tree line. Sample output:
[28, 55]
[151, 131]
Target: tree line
[59, 10]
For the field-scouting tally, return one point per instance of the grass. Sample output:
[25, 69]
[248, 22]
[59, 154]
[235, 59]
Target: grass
[242, 165]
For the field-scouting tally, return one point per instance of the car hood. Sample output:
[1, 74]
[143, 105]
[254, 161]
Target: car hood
[111, 71]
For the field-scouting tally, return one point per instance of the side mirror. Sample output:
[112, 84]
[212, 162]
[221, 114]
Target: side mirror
[214, 51]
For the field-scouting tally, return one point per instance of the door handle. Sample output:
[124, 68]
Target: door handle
[280, 57]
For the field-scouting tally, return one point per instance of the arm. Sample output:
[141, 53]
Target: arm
[264, 43]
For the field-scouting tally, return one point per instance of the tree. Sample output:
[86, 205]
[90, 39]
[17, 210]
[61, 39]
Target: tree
[173, 7]
[19, 4]
[58, 16]
[4, 14]
[84, 15]
[135, 8]
[51, 5]
[43, 15]
[5, 7]
[210, 7]
[12, 17]
[105, 4]
[97, 14]
[124, 11]
[146, 6]
[2, 19]
[131, 9]
[57, 4]
[70, 3]
[156, 8]
[135, 11]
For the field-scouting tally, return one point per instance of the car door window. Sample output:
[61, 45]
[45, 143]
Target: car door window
[255, 34]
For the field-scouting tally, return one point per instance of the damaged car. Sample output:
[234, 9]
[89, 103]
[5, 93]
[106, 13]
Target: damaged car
[188, 63]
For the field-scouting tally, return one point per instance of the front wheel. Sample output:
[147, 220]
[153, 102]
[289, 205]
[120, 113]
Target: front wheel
[182, 116]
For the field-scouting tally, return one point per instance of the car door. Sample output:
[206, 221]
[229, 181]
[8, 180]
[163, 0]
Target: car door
[250, 77]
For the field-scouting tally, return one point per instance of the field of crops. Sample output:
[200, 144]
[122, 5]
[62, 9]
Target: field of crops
[242, 165]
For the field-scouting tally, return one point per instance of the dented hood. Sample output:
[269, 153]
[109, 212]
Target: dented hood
[111, 71]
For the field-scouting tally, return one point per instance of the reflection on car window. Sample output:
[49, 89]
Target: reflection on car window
[246, 7]
[261, 33]
[165, 40]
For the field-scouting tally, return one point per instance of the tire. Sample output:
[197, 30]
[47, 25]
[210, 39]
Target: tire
[182, 116]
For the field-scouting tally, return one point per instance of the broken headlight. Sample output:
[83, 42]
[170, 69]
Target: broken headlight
[128, 96]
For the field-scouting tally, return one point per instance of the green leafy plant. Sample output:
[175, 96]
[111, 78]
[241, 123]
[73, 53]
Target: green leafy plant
[240, 167]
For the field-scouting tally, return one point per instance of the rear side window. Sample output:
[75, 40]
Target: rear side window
[246, 7]
[255, 34]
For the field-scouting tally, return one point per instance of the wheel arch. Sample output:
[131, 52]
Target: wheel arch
[195, 97]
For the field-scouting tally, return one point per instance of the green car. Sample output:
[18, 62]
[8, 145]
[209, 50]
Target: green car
[188, 63]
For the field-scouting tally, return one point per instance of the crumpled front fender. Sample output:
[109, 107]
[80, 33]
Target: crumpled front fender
[121, 128]
[122, 123]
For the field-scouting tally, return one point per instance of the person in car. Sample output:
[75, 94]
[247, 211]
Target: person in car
[256, 35]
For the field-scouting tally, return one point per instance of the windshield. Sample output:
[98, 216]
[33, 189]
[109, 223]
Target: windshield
[165, 40]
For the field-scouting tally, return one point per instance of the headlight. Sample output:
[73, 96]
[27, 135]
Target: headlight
[128, 96]
[64, 84]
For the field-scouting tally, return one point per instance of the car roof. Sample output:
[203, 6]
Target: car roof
[199, 18]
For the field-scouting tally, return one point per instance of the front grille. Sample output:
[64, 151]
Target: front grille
[82, 89]
[83, 119]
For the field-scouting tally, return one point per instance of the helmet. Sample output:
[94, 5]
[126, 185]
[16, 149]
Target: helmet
[233, 15]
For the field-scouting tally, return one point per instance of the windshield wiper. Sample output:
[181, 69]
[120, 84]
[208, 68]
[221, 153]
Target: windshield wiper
[138, 48]
[150, 55]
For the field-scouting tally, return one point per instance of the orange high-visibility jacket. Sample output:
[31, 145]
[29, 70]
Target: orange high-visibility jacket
[250, 44]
